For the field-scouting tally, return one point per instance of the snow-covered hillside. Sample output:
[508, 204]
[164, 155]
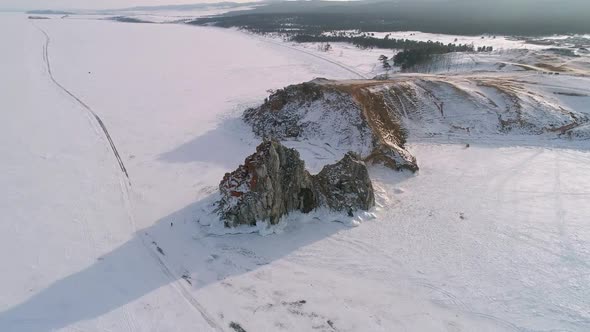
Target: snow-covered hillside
[373, 118]
[490, 237]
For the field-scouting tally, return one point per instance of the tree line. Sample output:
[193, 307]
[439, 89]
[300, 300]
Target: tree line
[509, 17]
[386, 43]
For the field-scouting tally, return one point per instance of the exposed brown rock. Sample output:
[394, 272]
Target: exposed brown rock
[270, 183]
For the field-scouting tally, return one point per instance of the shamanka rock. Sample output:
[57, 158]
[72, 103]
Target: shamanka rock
[273, 182]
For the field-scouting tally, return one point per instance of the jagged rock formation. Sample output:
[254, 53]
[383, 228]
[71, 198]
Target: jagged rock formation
[346, 185]
[273, 182]
[340, 116]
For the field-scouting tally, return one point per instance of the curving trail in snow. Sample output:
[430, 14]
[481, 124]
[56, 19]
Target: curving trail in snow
[145, 240]
[86, 250]
[326, 59]
[103, 127]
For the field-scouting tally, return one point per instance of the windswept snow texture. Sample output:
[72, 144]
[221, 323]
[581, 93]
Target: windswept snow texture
[494, 237]
[489, 104]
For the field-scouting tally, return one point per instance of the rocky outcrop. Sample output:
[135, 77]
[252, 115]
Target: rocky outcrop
[273, 182]
[270, 183]
[346, 186]
[345, 117]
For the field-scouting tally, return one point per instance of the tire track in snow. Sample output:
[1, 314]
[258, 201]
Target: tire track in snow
[79, 101]
[125, 189]
[179, 287]
[453, 301]
[129, 319]
[265, 40]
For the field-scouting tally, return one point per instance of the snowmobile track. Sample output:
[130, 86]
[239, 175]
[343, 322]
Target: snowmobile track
[125, 187]
[347, 68]
[79, 101]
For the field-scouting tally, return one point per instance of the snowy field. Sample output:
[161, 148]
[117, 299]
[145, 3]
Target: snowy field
[153, 15]
[510, 54]
[494, 237]
[498, 42]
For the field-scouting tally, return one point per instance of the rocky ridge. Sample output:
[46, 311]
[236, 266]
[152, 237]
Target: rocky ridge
[335, 115]
[374, 117]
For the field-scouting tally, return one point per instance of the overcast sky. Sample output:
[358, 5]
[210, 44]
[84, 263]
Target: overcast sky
[94, 4]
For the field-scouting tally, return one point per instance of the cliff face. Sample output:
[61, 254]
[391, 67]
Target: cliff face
[273, 182]
[346, 185]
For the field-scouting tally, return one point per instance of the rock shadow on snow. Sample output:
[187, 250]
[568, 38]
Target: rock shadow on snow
[222, 146]
[134, 269]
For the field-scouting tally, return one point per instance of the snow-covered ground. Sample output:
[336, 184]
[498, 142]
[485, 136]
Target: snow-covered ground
[486, 238]
[156, 16]
[151, 14]
[72, 226]
[497, 42]
[510, 54]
